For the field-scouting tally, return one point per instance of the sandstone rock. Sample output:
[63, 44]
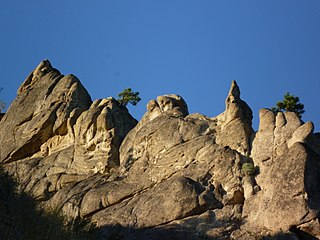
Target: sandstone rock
[156, 152]
[277, 133]
[37, 105]
[309, 230]
[289, 195]
[212, 224]
[42, 69]
[62, 139]
[262, 147]
[99, 132]
[235, 123]
[301, 133]
[180, 200]
[172, 103]
[174, 175]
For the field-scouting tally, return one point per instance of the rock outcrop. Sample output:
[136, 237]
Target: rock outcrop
[60, 137]
[235, 123]
[289, 177]
[173, 175]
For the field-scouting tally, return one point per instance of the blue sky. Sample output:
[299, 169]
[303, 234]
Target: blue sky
[191, 48]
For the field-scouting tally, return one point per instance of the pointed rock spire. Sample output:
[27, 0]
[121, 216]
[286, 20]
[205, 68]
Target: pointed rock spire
[235, 107]
[43, 68]
[235, 122]
[234, 89]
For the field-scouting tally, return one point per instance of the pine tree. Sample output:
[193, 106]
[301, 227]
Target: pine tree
[2, 104]
[290, 103]
[127, 96]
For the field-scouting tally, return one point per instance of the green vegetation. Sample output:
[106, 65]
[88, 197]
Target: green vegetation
[248, 168]
[2, 104]
[127, 96]
[290, 103]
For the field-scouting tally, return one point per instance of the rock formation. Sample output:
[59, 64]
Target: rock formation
[173, 175]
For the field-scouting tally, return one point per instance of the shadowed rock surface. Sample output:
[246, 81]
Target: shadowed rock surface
[173, 175]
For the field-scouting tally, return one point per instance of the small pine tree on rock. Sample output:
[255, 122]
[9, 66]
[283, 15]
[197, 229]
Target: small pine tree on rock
[290, 103]
[2, 104]
[127, 96]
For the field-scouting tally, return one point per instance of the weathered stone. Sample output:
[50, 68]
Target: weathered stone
[174, 175]
[235, 123]
[309, 230]
[62, 138]
[211, 224]
[98, 133]
[286, 124]
[37, 106]
[262, 149]
[171, 103]
[301, 133]
[175, 198]
[289, 195]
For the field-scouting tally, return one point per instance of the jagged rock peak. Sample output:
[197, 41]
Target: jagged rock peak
[52, 112]
[235, 122]
[236, 107]
[234, 90]
[42, 69]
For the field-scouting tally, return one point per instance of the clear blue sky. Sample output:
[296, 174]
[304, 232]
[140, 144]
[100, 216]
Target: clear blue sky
[191, 48]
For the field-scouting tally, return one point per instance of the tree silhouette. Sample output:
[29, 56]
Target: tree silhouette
[2, 104]
[290, 103]
[127, 96]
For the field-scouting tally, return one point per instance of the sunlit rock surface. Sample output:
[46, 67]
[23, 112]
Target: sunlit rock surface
[173, 175]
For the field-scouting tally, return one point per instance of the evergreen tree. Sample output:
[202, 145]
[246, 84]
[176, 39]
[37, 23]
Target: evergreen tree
[290, 103]
[2, 104]
[127, 96]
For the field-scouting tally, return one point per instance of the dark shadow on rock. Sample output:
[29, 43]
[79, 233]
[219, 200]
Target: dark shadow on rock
[312, 178]
[302, 234]
[20, 218]
[1, 115]
[280, 236]
[175, 232]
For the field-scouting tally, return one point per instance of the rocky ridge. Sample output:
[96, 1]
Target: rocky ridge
[172, 175]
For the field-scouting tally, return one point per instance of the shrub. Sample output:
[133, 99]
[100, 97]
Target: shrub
[248, 168]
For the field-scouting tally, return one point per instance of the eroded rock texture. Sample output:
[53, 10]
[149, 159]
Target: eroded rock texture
[173, 175]
[54, 137]
[289, 177]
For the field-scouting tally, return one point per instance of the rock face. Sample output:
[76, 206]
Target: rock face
[235, 123]
[60, 136]
[289, 174]
[173, 175]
